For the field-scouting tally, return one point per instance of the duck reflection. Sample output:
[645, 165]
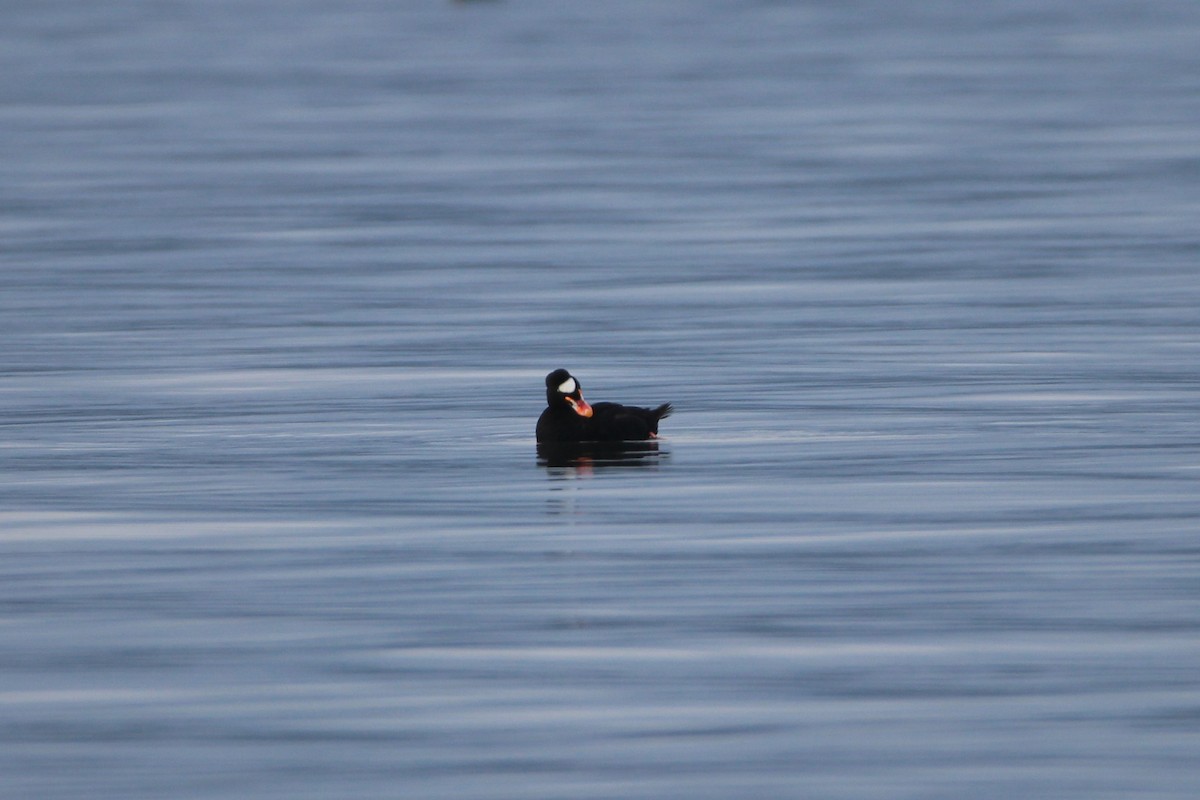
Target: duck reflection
[586, 457]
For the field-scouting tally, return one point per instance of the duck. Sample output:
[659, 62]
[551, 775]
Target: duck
[569, 418]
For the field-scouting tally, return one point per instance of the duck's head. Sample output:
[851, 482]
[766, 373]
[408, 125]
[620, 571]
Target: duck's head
[562, 389]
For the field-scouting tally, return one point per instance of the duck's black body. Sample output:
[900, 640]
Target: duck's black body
[568, 418]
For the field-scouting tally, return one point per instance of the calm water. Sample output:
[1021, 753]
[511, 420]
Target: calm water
[280, 283]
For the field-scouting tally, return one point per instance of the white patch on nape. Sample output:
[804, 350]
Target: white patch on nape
[567, 386]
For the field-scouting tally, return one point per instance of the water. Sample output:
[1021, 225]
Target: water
[280, 283]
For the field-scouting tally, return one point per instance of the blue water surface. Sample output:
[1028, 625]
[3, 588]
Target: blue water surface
[279, 285]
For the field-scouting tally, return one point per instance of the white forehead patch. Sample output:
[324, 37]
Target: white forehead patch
[567, 386]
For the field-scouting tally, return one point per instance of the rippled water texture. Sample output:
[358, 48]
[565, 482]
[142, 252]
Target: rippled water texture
[279, 286]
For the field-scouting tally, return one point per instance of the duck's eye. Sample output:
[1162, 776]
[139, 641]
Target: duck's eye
[567, 386]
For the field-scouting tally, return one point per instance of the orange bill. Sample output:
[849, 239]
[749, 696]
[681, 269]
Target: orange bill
[580, 406]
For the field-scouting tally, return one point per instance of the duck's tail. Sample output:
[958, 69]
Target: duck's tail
[663, 411]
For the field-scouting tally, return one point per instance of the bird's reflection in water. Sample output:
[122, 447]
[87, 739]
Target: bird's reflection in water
[587, 457]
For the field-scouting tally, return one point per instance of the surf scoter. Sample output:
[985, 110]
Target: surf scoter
[569, 418]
